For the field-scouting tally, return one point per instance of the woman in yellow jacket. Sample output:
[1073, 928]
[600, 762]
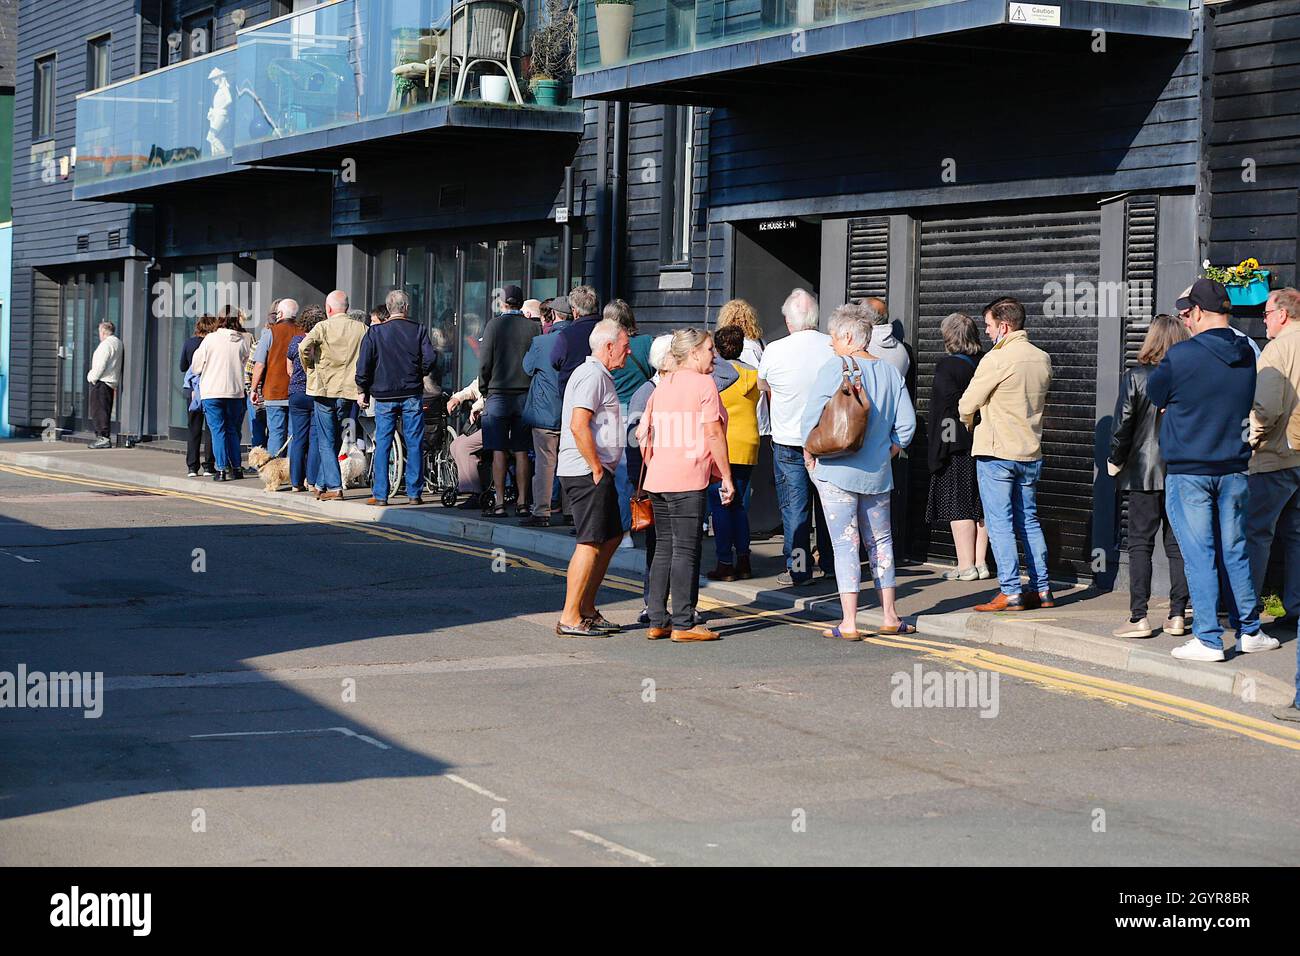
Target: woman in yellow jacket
[731, 522]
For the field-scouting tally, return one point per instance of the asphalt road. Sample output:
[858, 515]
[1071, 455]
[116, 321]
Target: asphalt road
[283, 690]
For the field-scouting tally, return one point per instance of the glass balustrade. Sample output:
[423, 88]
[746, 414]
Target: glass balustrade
[617, 32]
[175, 116]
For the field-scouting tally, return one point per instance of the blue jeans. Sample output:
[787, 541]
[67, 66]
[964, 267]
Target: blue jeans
[328, 415]
[303, 466]
[624, 485]
[1208, 514]
[387, 415]
[225, 420]
[731, 523]
[277, 427]
[256, 425]
[797, 501]
[1008, 491]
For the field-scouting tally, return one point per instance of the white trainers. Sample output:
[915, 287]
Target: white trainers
[1140, 628]
[983, 572]
[626, 544]
[961, 574]
[1194, 650]
[1250, 643]
[1175, 626]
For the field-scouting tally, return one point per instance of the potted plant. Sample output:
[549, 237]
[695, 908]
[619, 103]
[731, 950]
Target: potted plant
[1246, 282]
[614, 27]
[554, 53]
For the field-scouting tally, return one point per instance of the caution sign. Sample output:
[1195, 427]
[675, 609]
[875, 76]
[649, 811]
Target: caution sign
[1035, 14]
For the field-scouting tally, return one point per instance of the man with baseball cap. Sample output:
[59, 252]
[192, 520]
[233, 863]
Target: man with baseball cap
[1184, 307]
[504, 385]
[1205, 387]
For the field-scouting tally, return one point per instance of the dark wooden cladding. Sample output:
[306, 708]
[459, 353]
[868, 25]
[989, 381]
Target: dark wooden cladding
[1253, 149]
[966, 263]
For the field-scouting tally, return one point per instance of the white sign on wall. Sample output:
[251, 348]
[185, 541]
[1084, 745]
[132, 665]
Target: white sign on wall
[1034, 14]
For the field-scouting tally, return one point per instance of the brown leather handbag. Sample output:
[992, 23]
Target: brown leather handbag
[843, 423]
[643, 514]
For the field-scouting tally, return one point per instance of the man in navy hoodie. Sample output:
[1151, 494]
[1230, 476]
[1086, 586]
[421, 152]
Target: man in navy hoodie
[1205, 388]
[395, 357]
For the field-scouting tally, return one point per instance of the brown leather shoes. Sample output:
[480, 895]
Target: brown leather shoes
[1003, 602]
[335, 495]
[657, 633]
[723, 572]
[417, 500]
[377, 502]
[697, 633]
[743, 570]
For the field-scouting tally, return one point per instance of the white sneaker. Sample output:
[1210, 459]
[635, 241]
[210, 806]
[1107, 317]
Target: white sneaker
[626, 544]
[983, 572]
[961, 574]
[193, 474]
[1175, 626]
[1194, 650]
[1250, 643]
[1140, 628]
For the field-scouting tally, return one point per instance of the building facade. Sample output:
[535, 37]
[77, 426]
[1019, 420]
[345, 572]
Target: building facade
[1085, 156]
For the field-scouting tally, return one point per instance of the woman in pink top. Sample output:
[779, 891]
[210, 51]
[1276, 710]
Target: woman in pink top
[684, 437]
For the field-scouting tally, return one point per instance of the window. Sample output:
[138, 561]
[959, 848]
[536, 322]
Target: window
[98, 56]
[197, 29]
[43, 99]
[678, 194]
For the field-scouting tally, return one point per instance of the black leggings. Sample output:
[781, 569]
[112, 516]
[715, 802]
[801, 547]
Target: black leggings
[679, 529]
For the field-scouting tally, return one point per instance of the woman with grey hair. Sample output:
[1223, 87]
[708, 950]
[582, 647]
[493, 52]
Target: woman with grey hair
[954, 492]
[854, 487]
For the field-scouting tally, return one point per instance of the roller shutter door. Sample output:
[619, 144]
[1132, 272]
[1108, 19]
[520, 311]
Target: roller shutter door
[1140, 252]
[963, 265]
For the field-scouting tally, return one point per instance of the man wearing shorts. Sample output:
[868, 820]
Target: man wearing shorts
[591, 441]
[504, 384]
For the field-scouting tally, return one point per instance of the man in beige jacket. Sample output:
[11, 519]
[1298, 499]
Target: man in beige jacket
[329, 356]
[1275, 459]
[1009, 390]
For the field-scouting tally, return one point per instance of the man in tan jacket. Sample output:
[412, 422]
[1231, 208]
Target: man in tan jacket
[1275, 459]
[1009, 390]
[329, 356]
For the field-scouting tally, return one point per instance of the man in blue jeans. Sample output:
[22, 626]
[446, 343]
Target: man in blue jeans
[395, 357]
[1204, 388]
[1009, 391]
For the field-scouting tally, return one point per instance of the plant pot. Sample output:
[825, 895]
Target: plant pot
[494, 89]
[614, 27]
[547, 92]
[1256, 293]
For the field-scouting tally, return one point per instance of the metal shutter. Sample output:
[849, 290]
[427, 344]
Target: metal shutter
[1140, 224]
[868, 267]
[966, 263]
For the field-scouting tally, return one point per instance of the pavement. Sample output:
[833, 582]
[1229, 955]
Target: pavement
[291, 686]
[1077, 629]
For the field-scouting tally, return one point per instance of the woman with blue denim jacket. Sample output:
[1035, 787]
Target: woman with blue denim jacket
[854, 488]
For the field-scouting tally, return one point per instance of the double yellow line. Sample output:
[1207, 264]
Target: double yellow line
[1054, 678]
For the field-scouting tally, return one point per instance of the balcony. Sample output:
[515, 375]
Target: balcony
[719, 52]
[169, 125]
[303, 90]
[351, 73]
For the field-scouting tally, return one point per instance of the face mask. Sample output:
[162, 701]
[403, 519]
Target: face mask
[997, 336]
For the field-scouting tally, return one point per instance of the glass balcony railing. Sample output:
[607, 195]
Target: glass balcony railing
[618, 32]
[354, 60]
[175, 116]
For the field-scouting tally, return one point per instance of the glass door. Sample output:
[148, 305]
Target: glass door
[196, 285]
[475, 307]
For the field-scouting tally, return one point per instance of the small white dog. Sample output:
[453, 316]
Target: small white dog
[274, 472]
[353, 466]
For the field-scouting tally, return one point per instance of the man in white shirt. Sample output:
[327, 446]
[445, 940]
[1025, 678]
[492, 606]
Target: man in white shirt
[787, 371]
[105, 377]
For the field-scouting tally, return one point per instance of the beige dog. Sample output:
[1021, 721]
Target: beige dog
[274, 472]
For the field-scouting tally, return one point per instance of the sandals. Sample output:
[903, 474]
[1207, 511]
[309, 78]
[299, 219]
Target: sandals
[902, 628]
[842, 635]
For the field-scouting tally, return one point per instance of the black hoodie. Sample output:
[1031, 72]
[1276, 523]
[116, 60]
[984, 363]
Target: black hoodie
[1206, 387]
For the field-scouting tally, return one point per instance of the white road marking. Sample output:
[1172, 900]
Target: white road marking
[318, 730]
[615, 847]
[470, 785]
[21, 558]
[336, 671]
[522, 851]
